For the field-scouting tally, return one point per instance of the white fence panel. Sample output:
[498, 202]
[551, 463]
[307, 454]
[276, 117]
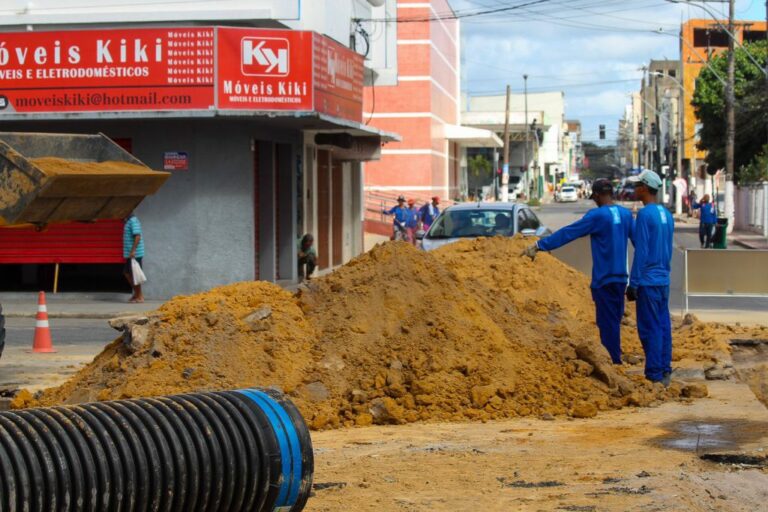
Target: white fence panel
[752, 208]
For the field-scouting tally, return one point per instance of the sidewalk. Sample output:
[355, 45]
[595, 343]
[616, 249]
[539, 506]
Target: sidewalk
[745, 239]
[74, 305]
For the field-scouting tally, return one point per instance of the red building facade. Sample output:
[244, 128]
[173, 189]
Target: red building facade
[424, 102]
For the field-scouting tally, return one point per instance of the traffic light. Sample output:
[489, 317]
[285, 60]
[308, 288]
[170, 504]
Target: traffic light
[653, 128]
[602, 132]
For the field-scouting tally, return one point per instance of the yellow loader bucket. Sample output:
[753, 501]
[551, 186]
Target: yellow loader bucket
[47, 178]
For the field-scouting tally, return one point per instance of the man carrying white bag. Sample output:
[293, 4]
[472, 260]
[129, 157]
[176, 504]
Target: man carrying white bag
[133, 252]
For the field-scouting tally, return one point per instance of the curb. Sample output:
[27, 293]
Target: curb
[742, 243]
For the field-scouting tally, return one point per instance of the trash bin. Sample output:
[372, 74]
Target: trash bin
[720, 240]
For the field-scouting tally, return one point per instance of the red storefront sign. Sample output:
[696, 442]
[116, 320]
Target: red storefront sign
[338, 75]
[178, 69]
[107, 70]
[264, 69]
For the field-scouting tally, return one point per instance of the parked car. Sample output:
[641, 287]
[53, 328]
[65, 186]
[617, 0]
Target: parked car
[567, 195]
[474, 220]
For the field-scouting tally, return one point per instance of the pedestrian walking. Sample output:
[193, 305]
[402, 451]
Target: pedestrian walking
[649, 279]
[412, 221]
[400, 216]
[307, 257]
[707, 221]
[429, 212]
[609, 226]
[133, 249]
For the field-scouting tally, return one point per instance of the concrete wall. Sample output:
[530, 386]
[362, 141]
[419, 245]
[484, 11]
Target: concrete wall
[199, 228]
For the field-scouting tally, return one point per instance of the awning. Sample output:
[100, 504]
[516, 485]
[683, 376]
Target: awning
[472, 137]
[299, 120]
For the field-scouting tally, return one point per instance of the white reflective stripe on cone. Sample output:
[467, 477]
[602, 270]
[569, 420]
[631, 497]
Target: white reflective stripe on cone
[42, 308]
[41, 323]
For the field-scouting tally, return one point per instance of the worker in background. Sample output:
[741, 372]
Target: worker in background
[133, 248]
[649, 279]
[609, 226]
[412, 220]
[307, 257]
[429, 212]
[707, 221]
[400, 213]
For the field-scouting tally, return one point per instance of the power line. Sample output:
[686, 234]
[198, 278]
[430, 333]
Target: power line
[455, 15]
[559, 86]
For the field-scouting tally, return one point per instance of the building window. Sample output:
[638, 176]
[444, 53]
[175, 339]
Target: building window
[672, 73]
[753, 36]
[709, 38]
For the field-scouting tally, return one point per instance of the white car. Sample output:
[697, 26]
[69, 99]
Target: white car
[473, 220]
[568, 195]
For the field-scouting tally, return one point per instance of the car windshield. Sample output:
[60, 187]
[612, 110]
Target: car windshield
[568, 189]
[472, 223]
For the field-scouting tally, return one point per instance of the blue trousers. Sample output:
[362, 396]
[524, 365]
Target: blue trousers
[609, 309]
[655, 330]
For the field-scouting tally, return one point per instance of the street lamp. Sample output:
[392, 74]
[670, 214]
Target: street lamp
[698, 55]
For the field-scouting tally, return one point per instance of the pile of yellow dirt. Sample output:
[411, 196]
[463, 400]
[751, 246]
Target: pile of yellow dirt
[244, 334]
[470, 331]
[52, 165]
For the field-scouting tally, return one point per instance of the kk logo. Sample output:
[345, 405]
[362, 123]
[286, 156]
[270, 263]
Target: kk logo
[265, 56]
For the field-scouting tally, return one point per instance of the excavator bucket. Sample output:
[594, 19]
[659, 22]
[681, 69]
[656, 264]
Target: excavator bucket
[50, 178]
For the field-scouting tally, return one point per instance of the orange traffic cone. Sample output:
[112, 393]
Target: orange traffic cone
[42, 343]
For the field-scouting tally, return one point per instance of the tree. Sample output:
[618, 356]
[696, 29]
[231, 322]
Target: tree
[757, 170]
[602, 161]
[751, 107]
[479, 165]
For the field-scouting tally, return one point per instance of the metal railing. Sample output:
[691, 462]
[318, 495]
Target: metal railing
[376, 201]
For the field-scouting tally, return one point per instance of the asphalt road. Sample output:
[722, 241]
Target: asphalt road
[754, 310]
[75, 340]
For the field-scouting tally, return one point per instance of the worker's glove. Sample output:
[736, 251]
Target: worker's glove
[530, 251]
[631, 294]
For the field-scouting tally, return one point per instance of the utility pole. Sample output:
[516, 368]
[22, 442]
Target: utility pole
[505, 166]
[730, 119]
[525, 146]
[679, 152]
[657, 153]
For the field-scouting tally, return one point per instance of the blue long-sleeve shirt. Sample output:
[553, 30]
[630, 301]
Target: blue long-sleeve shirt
[429, 213]
[400, 213]
[609, 228]
[653, 238]
[411, 217]
[708, 214]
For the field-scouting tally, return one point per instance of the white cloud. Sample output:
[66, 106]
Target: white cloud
[571, 45]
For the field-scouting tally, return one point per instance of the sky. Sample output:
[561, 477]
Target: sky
[590, 49]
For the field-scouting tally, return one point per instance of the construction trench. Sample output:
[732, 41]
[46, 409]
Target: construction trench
[478, 377]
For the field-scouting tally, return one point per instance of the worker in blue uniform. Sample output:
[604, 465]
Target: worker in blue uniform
[609, 227]
[649, 279]
[707, 221]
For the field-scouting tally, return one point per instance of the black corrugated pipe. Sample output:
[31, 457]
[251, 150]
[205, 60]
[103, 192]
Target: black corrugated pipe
[246, 450]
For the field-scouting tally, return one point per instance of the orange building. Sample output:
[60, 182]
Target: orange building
[421, 107]
[702, 39]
